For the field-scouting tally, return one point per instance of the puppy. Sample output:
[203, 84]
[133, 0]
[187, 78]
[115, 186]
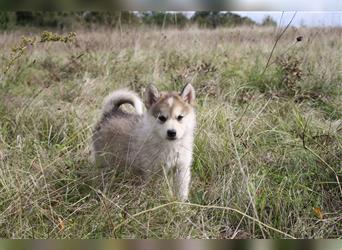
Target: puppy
[151, 142]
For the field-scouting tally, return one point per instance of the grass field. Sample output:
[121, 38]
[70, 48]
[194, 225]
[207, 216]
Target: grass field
[268, 150]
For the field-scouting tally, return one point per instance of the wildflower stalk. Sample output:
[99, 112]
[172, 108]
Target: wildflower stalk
[25, 42]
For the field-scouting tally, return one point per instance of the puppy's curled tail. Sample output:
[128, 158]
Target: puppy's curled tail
[114, 100]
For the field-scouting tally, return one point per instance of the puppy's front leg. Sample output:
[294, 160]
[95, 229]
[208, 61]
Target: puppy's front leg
[182, 177]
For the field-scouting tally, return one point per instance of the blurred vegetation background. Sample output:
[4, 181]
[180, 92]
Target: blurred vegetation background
[88, 19]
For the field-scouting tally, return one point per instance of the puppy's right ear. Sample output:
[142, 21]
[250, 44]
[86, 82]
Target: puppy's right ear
[151, 95]
[188, 94]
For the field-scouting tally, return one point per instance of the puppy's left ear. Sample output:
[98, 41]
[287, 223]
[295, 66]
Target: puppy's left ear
[188, 94]
[151, 95]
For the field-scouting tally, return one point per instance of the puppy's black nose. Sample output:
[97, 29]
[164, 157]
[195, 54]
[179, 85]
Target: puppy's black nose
[171, 133]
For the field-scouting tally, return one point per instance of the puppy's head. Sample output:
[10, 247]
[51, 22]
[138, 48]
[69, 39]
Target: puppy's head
[171, 113]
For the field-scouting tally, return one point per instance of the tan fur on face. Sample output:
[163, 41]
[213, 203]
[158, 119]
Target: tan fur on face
[171, 105]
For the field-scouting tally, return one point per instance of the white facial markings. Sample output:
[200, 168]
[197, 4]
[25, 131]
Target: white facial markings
[171, 108]
[177, 110]
[169, 101]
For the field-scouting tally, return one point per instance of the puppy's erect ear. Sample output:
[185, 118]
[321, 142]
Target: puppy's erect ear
[151, 95]
[188, 94]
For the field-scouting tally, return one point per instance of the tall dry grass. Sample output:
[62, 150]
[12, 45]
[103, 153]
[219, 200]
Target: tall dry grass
[268, 150]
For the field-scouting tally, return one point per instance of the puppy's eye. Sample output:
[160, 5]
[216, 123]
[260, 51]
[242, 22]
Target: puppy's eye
[180, 117]
[162, 118]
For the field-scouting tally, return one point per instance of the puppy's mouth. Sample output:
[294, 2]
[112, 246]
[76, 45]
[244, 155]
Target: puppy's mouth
[171, 138]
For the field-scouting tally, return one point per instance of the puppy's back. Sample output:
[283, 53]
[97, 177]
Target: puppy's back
[112, 135]
[112, 139]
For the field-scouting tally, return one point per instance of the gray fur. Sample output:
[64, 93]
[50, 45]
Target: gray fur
[132, 142]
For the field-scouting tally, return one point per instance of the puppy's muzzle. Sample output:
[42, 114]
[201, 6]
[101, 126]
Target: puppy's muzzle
[171, 134]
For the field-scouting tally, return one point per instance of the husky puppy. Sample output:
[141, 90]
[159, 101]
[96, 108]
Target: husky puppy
[159, 140]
